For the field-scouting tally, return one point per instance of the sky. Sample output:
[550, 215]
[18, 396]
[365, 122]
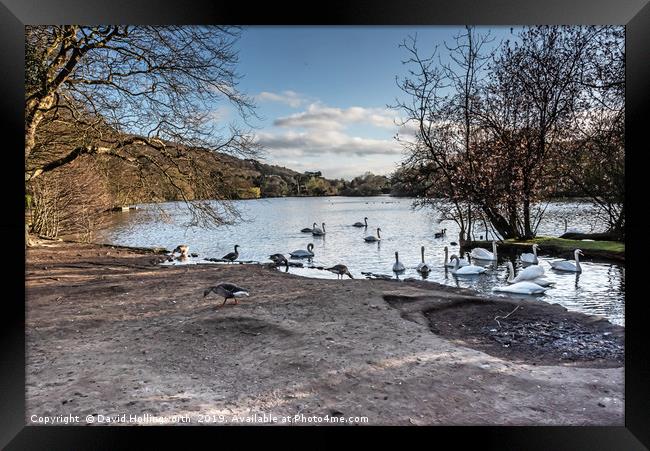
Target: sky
[322, 93]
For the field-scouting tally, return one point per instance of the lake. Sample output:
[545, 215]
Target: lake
[273, 226]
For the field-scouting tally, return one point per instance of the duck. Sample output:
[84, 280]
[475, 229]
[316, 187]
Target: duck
[372, 238]
[301, 253]
[361, 224]
[481, 254]
[468, 270]
[228, 291]
[568, 266]
[530, 258]
[525, 287]
[533, 274]
[461, 261]
[423, 268]
[317, 231]
[398, 266]
[232, 256]
[340, 270]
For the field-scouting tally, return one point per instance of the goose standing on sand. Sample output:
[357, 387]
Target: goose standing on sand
[423, 268]
[372, 238]
[469, 270]
[232, 256]
[280, 259]
[301, 253]
[533, 274]
[317, 231]
[398, 266]
[228, 291]
[448, 262]
[530, 258]
[340, 270]
[568, 266]
[479, 253]
[361, 224]
[525, 287]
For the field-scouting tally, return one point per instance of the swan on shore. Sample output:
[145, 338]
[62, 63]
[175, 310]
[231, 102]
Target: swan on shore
[530, 258]
[318, 231]
[481, 254]
[566, 265]
[361, 224]
[461, 261]
[398, 266]
[301, 253]
[423, 268]
[468, 270]
[340, 270]
[228, 291]
[533, 274]
[525, 287]
[372, 238]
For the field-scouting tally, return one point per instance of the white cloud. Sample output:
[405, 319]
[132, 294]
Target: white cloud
[320, 116]
[291, 98]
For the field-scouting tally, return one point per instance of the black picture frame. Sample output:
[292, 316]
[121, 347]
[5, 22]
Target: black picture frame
[635, 14]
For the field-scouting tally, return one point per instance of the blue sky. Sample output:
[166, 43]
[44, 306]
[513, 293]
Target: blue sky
[322, 92]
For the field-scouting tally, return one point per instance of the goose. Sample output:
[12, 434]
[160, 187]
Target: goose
[228, 291]
[232, 256]
[461, 261]
[440, 234]
[468, 270]
[317, 231]
[566, 265]
[372, 238]
[301, 253]
[340, 270]
[530, 258]
[533, 274]
[481, 254]
[423, 267]
[525, 287]
[279, 259]
[359, 224]
[398, 266]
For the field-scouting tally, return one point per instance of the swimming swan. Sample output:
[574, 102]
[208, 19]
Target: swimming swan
[398, 266]
[461, 261]
[533, 274]
[423, 267]
[566, 265]
[468, 270]
[372, 238]
[317, 231]
[526, 287]
[361, 224]
[301, 253]
[530, 258]
[481, 254]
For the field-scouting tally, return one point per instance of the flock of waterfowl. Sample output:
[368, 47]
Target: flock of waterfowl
[530, 280]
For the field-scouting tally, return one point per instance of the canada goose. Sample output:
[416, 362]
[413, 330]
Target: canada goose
[301, 253]
[280, 259]
[228, 291]
[340, 270]
[398, 266]
[567, 265]
[232, 256]
[372, 238]
[361, 224]
[440, 234]
[318, 232]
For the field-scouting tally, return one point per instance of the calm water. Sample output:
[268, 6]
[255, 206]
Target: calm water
[273, 226]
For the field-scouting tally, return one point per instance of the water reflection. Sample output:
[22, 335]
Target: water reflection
[274, 226]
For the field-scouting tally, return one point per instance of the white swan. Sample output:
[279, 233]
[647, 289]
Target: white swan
[301, 253]
[461, 261]
[533, 274]
[372, 238]
[423, 267]
[317, 231]
[481, 254]
[526, 287]
[361, 224]
[468, 270]
[530, 258]
[566, 265]
[398, 266]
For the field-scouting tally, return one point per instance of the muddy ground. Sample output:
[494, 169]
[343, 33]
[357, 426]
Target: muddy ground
[111, 333]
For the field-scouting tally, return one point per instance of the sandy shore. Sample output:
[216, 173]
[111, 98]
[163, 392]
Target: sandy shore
[110, 333]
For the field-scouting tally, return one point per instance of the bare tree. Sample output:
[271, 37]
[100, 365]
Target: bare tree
[145, 96]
